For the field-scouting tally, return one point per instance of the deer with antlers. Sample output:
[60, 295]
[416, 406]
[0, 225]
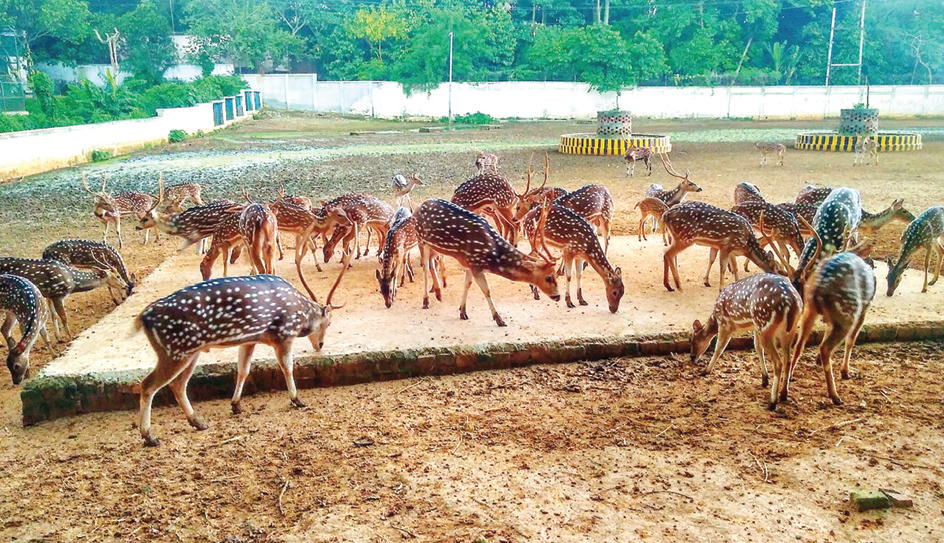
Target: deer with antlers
[571, 233]
[193, 224]
[697, 223]
[484, 161]
[835, 224]
[784, 228]
[109, 209]
[766, 304]
[491, 195]
[865, 146]
[447, 229]
[87, 254]
[56, 281]
[923, 233]
[635, 154]
[364, 212]
[770, 148]
[655, 208]
[840, 288]
[228, 312]
[307, 224]
[402, 187]
[22, 302]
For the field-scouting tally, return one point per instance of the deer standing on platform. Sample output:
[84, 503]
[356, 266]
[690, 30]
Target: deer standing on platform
[258, 226]
[923, 233]
[655, 208]
[193, 224]
[595, 204]
[21, 301]
[87, 254]
[110, 209]
[364, 212]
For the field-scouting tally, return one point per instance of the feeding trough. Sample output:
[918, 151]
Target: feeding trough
[854, 122]
[613, 137]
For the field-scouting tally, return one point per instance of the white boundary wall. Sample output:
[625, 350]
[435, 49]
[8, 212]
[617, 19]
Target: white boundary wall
[575, 100]
[35, 151]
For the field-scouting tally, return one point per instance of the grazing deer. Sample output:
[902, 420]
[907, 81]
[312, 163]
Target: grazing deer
[766, 304]
[227, 241]
[835, 224]
[177, 194]
[806, 211]
[363, 211]
[872, 222]
[491, 195]
[447, 229]
[655, 208]
[484, 161]
[571, 233]
[703, 224]
[258, 226]
[634, 154]
[770, 148]
[595, 204]
[813, 195]
[923, 233]
[783, 228]
[402, 187]
[110, 209]
[395, 264]
[747, 192]
[228, 312]
[193, 224]
[83, 253]
[306, 224]
[840, 289]
[865, 145]
[56, 281]
[21, 301]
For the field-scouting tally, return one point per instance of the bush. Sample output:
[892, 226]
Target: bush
[99, 156]
[176, 136]
[472, 118]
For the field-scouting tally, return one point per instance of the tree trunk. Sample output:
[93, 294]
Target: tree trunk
[606, 12]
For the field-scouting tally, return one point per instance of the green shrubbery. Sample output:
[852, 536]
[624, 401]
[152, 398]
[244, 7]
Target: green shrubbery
[99, 156]
[472, 118]
[176, 136]
[85, 103]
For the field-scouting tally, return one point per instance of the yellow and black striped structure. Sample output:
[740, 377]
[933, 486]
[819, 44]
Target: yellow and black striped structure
[592, 144]
[835, 142]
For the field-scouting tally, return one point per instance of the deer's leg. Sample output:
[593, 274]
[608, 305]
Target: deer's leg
[409, 266]
[605, 223]
[242, 368]
[283, 352]
[669, 262]
[58, 304]
[465, 294]
[569, 263]
[105, 235]
[712, 255]
[723, 263]
[424, 261]
[834, 335]
[641, 233]
[118, 232]
[721, 343]
[940, 254]
[850, 343]
[278, 243]
[760, 346]
[437, 270]
[580, 264]
[483, 284]
[53, 318]
[807, 320]
[165, 372]
[179, 387]
[927, 262]
[773, 350]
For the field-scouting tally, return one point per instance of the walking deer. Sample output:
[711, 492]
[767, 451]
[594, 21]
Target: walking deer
[484, 161]
[697, 223]
[923, 233]
[402, 187]
[840, 289]
[635, 154]
[83, 253]
[176, 195]
[228, 312]
[865, 145]
[595, 204]
[673, 197]
[766, 304]
[571, 233]
[447, 229]
[770, 148]
[364, 212]
[873, 222]
[21, 301]
[109, 209]
[193, 224]
[655, 208]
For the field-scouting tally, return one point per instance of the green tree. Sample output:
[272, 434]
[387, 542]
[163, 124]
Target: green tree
[424, 63]
[378, 26]
[61, 19]
[147, 46]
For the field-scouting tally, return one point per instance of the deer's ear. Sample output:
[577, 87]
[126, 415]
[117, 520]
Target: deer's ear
[618, 271]
[377, 273]
[696, 326]
[897, 203]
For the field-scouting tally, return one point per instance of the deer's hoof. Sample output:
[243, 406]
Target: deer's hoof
[837, 400]
[764, 382]
[463, 315]
[150, 441]
[581, 301]
[570, 304]
[198, 424]
[236, 408]
[298, 403]
[499, 321]
[426, 302]
[772, 406]
[845, 375]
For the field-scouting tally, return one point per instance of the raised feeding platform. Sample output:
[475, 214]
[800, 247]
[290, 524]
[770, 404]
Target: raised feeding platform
[831, 141]
[367, 342]
[595, 144]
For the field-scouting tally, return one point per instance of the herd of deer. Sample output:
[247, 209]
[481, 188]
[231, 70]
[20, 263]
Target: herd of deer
[833, 277]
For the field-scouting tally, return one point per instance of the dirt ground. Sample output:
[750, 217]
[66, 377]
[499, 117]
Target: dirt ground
[574, 452]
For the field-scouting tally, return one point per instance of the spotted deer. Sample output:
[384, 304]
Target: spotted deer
[364, 212]
[770, 148]
[228, 312]
[923, 233]
[835, 224]
[258, 226]
[402, 187]
[747, 192]
[447, 229]
[698, 223]
[571, 233]
[865, 146]
[176, 195]
[595, 204]
[655, 208]
[307, 224]
[227, 242]
[56, 281]
[673, 197]
[83, 253]
[484, 161]
[109, 209]
[21, 301]
[840, 289]
[873, 222]
[395, 263]
[806, 211]
[635, 154]
[766, 304]
[192, 224]
[813, 195]
[781, 228]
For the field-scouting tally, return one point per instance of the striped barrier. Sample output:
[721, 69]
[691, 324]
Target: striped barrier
[836, 142]
[591, 144]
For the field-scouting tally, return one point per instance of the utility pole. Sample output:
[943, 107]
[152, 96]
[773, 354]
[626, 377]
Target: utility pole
[829, 56]
[450, 80]
[861, 40]
[832, 33]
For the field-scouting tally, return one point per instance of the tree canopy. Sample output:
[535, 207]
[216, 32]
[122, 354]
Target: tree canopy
[607, 43]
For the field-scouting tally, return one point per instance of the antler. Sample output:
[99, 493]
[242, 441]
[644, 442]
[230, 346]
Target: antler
[475, 149]
[776, 251]
[85, 184]
[547, 169]
[540, 234]
[104, 182]
[160, 193]
[819, 247]
[529, 173]
[670, 169]
[345, 262]
[246, 195]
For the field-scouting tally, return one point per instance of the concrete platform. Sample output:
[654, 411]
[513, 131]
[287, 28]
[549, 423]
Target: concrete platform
[368, 342]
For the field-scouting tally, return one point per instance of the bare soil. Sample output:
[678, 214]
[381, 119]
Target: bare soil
[574, 452]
